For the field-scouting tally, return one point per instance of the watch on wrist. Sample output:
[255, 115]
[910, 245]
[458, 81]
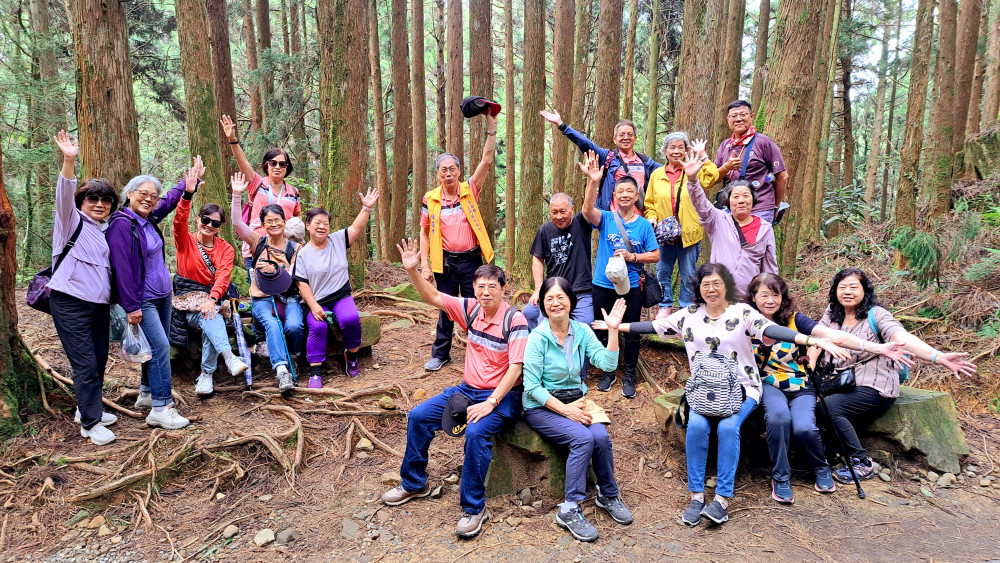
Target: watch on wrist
[492, 400]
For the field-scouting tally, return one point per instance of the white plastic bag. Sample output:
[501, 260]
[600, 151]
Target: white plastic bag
[135, 346]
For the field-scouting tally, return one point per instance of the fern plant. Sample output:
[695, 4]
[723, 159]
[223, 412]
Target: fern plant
[922, 254]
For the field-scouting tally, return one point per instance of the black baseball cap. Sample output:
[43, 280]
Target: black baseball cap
[475, 105]
[455, 419]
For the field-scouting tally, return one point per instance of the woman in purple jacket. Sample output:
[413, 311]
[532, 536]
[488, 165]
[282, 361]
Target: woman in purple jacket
[143, 284]
[80, 289]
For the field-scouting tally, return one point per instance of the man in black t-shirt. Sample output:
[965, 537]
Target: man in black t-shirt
[562, 248]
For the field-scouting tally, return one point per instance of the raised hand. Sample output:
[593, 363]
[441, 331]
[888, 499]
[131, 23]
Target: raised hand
[552, 117]
[956, 362]
[491, 122]
[70, 148]
[368, 200]
[228, 127]
[617, 314]
[698, 146]
[591, 167]
[193, 175]
[409, 252]
[239, 183]
[692, 163]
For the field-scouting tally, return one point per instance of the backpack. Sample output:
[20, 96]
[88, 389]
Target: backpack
[904, 372]
[252, 194]
[714, 388]
[641, 201]
[508, 318]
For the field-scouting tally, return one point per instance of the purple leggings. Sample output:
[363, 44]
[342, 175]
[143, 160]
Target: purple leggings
[346, 314]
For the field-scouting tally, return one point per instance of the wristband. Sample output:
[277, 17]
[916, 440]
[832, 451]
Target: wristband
[491, 133]
[862, 346]
[562, 126]
[367, 209]
[236, 142]
[808, 337]
[934, 356]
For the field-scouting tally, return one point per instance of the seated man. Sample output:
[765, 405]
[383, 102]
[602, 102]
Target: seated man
[497, 337]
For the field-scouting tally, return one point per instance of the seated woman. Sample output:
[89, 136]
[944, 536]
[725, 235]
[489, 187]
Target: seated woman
[271, 309]
[556, 350]
[788, 397]
[854, 309]
[204, 265]
[325, 284]
[716, 334]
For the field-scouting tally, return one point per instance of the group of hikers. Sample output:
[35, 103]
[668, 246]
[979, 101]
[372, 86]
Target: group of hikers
[746, 342]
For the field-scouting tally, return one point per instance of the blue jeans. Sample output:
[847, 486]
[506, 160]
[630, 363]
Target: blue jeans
[156, 372]
[263, 311]
[728, 430]
[425, 419]
[687, 260]
[787, 415]
[214, 339]
[583, 313]
[586, 444]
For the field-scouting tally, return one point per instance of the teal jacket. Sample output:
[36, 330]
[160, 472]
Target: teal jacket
[545, 367]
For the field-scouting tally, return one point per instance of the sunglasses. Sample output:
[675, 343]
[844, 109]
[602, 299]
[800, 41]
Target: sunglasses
[278, 163]
[213, 222]
[94, 198]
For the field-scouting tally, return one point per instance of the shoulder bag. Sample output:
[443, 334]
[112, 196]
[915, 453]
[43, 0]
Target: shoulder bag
[652, 291]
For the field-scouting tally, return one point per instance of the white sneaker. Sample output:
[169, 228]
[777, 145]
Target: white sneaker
[261, 350]
[285, 381]
[107, 418]
[144, 402]
[204, 387]
[99, 434]
[167, 418]
[235, 365]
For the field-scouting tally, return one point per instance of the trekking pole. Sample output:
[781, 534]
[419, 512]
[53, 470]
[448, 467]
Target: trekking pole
[284, 341]
[833, 429]
[241, 343]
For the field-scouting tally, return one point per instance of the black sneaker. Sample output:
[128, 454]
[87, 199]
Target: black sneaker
[577, 524]
[692, 515]
[715, 512]
[607, 380]
[616, 509]
[628, 386]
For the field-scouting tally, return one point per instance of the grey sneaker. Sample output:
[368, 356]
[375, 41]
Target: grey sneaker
[692, 515]
[469, 525]
[144, 401]
[107, 419]
[607, 380]
[435, 364]
[577, 524]
[398, 495]
[616, 509]
[285, 381]
[261, 350]
[715, 512]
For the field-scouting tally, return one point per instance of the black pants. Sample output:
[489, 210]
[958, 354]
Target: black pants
[456, 279]
[856, 409]
[83, 329]
[605, 298]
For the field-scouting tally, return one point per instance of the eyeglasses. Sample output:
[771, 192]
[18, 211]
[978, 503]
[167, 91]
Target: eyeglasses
[278, 163]
[273, 222]
[624, 135]
[213, 222]
[743, 115]
[549, 299]
[487, 286]
[712, 285]
[94, 198]
[147, 195]
[318, 224]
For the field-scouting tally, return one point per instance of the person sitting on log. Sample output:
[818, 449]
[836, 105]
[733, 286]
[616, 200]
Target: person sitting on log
[489, 395]
[554, 406]
[325, 285]
[854, 309]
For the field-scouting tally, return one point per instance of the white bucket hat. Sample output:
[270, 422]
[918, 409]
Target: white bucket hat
[617, 273]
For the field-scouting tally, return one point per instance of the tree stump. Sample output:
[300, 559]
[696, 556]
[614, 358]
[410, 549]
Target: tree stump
[522, 458]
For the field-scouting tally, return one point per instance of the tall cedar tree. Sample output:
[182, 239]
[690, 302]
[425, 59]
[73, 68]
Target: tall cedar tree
[991, 94]
[530, 213]
[913, 130]
[253, 89]
[628, 94]
[760, 57]
[699, 74]
[456, 84]
[199, 99]
[578, 110]
[481, 83]
[883, 209]
[609, 72]
[105, 107]
[418, 84]
[940, 155]
[875, 141]
[969, 15]
[343, 115]
[222, 71]
[510, 211]
[266, 64]
[976, 96]
[298, 90]
[402, 128]
[789, 96]
[847, 118]
[440, 82]
[562, 85]
[732, 64]
[381, 166]
[654, 79]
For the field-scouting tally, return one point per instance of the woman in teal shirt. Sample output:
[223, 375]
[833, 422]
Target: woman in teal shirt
[552, 384]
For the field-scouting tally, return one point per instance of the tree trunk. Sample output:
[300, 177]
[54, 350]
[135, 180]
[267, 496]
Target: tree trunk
[402, 136]
[941, 157]
[813, 191]
[253, 89]
[440, 84]
[510, 191]
[835, 161]
[105, 107]
[883, 209]
[654, 80]
[343, 115]
[533, 135]
[573, 186]
[481, 84]
[913, 131]
[976, 95]
[294, 37]
[456, 85]
[732, 64]
[418, 85]
[297, 92]
[381, 167]
[266, 64]
[699, 75]
[222, 72]
[847, 119]
[969, 15]
[760, 58]
[629, 86]
[871, 169]
[609, 71]
[562, 86]
[991, 99]
[285, 43]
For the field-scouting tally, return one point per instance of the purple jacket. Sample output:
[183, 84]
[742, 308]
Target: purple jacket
[128, 246]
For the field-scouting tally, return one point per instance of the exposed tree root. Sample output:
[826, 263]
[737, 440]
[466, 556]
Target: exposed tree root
[300, 438]
[373, 439]
[107, 402]
[135, 477]
[263, 439]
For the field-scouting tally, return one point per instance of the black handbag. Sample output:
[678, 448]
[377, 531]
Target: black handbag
[567, 396]
[649, 286]
[830, 380]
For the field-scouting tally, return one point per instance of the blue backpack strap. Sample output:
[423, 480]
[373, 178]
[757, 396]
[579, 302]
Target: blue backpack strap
[746, 157]
[874, 325]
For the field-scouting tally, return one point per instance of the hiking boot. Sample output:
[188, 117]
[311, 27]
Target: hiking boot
[577, 524]
[824, 481]
[353, 366]
[628, 386]
[285, 381]
[692, 514]
[236, 365]
[167, 418]
[607, 380]
[204, 386]
[469, 525]
[98, 434]
[862, 468]
[781, 491]
[435, 364]
[615, 508]
[261, 350]
[398, 495]
[107, 418]
[715, 512]
[144, 401]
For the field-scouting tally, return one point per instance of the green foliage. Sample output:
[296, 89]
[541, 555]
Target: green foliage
[930, 313]
[845, 204]
[921, 252]
[991, 328]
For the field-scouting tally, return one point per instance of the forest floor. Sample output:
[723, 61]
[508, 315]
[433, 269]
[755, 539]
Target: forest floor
[189, 485]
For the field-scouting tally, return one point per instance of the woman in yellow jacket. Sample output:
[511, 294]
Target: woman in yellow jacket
[668, 205]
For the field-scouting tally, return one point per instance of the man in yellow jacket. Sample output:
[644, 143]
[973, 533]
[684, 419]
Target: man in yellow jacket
[668, 206]
[453, 239]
